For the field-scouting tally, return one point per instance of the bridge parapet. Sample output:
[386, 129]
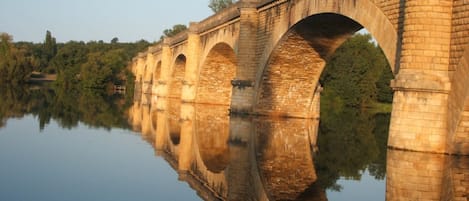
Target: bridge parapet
[142, 55]
[155, 48]
[219, 18]
[178, 38]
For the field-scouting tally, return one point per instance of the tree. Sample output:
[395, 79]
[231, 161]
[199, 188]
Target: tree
[5, 46]
[49, 49]
[95, 73]
[15, 66]
[114, 40]
[68, 61]
[357, 73]
[218, 5]
[178, 28]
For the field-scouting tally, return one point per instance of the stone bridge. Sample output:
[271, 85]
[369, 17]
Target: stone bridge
[265, 57]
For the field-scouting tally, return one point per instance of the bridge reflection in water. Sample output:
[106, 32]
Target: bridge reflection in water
[256, 158]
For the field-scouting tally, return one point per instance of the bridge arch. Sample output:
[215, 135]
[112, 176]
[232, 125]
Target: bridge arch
[364, 12]
[177, 77]
[173, 121]
[215, 75]
[289, 76]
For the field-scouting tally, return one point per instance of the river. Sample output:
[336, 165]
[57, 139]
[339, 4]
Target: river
[86, 146]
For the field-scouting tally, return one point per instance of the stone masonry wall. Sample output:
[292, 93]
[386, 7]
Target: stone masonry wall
[393, 9]
[458, 140]
[289, 81]
[420, 106]
[414, 176]
[214, 85]
[460, 31]
[175, 87]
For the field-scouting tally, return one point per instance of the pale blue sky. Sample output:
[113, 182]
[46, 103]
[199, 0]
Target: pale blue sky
[85, 20]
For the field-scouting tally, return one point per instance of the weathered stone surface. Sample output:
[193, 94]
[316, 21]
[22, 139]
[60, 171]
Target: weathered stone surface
[439, 177]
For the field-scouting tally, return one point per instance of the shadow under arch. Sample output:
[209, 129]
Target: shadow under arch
[216, 73]
[290, 77]
[174, 125]
[154, 119]
[177, 77]
[157, 73]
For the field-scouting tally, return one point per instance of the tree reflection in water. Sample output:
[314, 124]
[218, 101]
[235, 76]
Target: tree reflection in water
[68, 108]
[351, 141]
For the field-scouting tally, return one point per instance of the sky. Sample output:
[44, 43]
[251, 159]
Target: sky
[87, 20]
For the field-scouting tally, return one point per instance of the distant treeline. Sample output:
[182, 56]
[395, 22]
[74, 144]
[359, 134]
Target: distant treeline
[94, 64]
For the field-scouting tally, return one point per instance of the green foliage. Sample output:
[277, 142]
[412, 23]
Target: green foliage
[129, 87]
[353, 140]
[49, 49]
[77, 64]
[93, 64]
[385, 92]
[218, 5]
[178, 28]
[358, 74]
[115, 40]
[101, 68]
[67, 63]
[15, 63]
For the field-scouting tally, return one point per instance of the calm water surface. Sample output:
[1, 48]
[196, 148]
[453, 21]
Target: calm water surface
[92, 147]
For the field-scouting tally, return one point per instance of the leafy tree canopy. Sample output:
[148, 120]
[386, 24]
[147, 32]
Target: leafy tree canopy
[358, 74]
[15, 63]
[218, 5]
[178, 28]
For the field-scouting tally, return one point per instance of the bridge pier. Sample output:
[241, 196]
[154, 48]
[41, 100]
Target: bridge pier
[420, 107]
[148, 75]
[192, 64]
[243, 86]
[419, 114]
[162, 127]
[166, 55]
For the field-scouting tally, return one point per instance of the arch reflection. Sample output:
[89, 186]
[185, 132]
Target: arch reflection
[226, 157]
[212, 134]
[236, 158]
[284, 156]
